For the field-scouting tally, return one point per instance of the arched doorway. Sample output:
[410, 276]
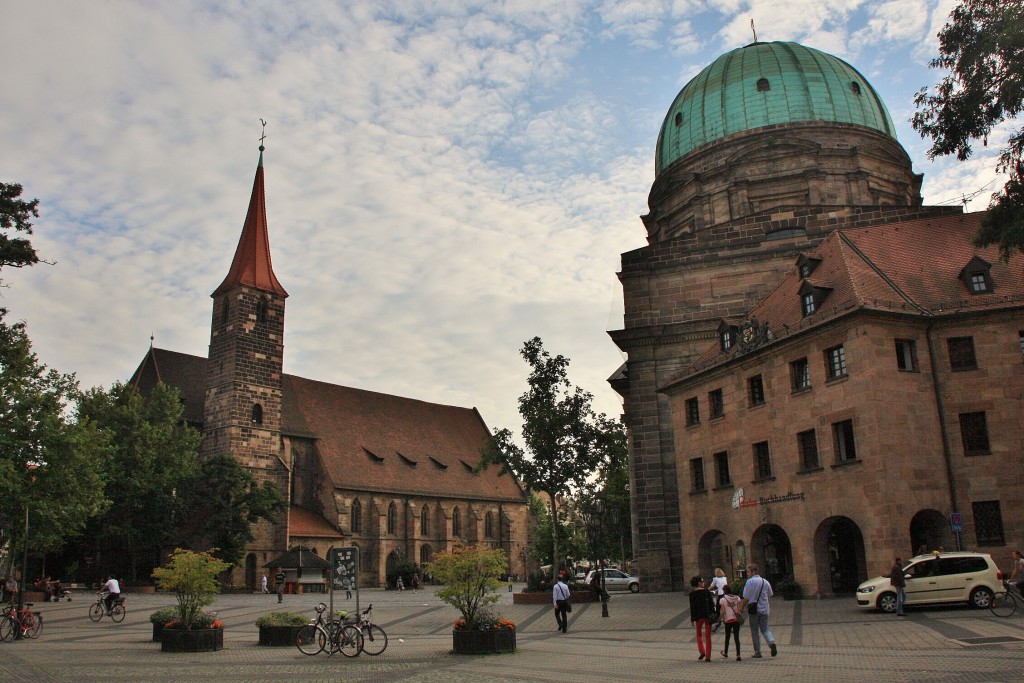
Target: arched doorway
[250, 571]
[713, 551]
[928, 532]
[391, 566]
[839, 557]
[771, 550]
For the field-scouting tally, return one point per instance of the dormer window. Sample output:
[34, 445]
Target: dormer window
[679, 118]
[727, 336]
[977, 275]
[811, 298]
[806, 265]
[763, 85]
[855, 87]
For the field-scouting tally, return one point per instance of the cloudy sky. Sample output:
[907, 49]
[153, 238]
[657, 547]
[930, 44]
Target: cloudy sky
[445, 178]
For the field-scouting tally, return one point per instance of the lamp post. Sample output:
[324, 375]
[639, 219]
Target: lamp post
[593, 516]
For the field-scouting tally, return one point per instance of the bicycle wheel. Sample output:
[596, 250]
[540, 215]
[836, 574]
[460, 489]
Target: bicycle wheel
[350, 641]
[8, 629]
[1003, 604]
[332, 628]
[375, 640]
[37, 626]
[96, 611]
[310, 639]
[117, 614]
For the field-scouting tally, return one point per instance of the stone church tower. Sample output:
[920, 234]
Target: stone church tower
[243, 400]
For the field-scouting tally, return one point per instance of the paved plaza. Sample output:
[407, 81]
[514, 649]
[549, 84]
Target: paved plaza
[647, 637]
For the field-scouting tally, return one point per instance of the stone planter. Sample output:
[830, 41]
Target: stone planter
[196, 640]
[158, 633]
[279, 635]
[491, 641]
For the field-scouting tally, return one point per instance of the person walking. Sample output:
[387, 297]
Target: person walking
[756, 595]
[560, 597]
[279, 578]
[729, 612]
[415, 582]
[702, 611]
[899, 582]
[263, 584]
[399, 584]
[716, 586]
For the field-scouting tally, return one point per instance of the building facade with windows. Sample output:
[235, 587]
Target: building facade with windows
[391, 475]
[773, 165]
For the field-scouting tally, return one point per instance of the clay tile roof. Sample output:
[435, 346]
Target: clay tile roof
[307, 524]
[299, 558]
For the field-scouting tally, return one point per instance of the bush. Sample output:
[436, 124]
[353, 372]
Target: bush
[164, 615]
[405, 570]
[789, 589]
[538, 583]
[471, 577]
[193, 578]
[282, 619]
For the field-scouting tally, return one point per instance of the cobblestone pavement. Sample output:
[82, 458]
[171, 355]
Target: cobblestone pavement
[647, 637]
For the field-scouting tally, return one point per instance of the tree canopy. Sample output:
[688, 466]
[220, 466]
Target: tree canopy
[983, 49]
[16, 215]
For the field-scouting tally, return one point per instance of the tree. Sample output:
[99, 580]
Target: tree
[193, 579]
[471, 578]
[982, 48]
[16, 214]
[565, 442]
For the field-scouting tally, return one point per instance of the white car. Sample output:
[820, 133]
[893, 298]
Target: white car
[615, 580]
[931, 579]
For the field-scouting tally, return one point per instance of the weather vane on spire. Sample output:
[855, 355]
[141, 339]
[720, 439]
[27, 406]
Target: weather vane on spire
[751, 28]
[263, 136]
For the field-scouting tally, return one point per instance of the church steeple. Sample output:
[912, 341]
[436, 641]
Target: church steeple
[252, 265]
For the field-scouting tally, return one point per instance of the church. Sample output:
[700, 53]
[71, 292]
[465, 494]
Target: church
[822, 372]
[393, 476]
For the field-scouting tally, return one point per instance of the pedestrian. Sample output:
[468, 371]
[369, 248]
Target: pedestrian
[263, 584]
[756, 594]
[899, 582]
[1017, 573]
[113, 589]
[560, 596]
[399, 584]
[716, 590]
[702, 611]
[729, 612]
[415, 582]
[279, 578]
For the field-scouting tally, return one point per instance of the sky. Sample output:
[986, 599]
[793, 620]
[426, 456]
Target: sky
[445, 179]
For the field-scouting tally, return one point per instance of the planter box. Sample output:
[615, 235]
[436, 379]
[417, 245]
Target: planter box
[577, 597]
[158, 633]
[491, 641]
[279, 635]
[197, 640]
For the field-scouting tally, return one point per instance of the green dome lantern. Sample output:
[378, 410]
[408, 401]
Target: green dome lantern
[767, 84]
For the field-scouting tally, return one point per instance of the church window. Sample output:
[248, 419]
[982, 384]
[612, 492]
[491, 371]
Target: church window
[679, 118]
[425, 521]
[855, 87]
[800, 373]
[762, 461]
[961, 354]
[257, 414]
[357, 517]
[488, 526]
[456, 522]
[988, 522]
[697, 474]
[261, 310]
[807, 442]
[846, 449]
[906, 355]
[224, 312]
[392, 518]
[425, 554]
[763, 85]
[974, 432]
[692, 412]
[755, 386]
[716, 404]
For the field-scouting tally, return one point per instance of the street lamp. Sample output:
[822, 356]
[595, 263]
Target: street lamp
[593, 517]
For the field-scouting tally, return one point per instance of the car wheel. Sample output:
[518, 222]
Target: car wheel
[981, 598]
[887, 602]
[634, 588]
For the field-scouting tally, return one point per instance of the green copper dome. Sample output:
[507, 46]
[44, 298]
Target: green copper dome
[767, 84]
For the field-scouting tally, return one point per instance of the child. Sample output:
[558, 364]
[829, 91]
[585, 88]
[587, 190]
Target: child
[728, 611]
[702, 610]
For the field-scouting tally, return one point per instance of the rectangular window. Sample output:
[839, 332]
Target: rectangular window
[974, 431]
[692, 412]
[716, 406]
[755, 390]
[846, 449]
[722, 469]
[800, 372]
[835, 362]
[979, 284]
[906, 355]
[961, 354]
[808, 303]
[697, 473]
[762, 461]
[988, 522]
[807, 442]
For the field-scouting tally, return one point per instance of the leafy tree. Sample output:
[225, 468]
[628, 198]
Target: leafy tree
[981, 46]
[153, 453]
[471, 577]
[565, 441]
[16, 214]
[192, 577]
[223, 503]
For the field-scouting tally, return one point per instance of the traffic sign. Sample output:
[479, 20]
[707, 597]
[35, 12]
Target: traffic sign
[956, 521]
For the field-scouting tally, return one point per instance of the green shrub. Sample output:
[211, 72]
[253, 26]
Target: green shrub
[282, 619]
[538, 583]
[165, 614]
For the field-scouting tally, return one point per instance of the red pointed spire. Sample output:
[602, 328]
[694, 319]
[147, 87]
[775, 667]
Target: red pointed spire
[251, 266]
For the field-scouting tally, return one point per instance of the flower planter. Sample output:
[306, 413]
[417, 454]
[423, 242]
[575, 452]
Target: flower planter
[192, 640]
[158, 633]
[491, 641]
[279, 635]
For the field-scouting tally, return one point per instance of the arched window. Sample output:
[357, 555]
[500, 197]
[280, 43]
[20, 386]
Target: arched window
[425, 521]
[488, 526]
[392, 518]
[456, 522]
[357, 517]
[425, 553]
[257, 414]
[261, 310]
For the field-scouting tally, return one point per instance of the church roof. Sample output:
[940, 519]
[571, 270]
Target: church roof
[252, 266]
[304, 523]
[767, 84]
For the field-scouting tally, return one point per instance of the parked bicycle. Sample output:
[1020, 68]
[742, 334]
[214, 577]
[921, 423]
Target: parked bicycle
[24, 621]
[375, 640]
[99, 609]
[1004, 603]
[333, 635]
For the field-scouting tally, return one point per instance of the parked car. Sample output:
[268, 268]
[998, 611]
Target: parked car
[615, 580]
[934, 579]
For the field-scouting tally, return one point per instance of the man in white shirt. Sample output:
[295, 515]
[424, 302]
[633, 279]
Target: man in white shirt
[560, 597]
[756, 592]
[113, 589]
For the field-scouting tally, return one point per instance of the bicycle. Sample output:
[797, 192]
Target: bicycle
[1004, 603]
[375, 640]
[25, 621]
[99, 609]
[314, 638]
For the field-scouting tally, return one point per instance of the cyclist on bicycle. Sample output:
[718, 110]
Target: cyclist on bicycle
[113, 590]
[1017, 575]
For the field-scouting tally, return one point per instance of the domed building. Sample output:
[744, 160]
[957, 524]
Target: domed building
[793, 340]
